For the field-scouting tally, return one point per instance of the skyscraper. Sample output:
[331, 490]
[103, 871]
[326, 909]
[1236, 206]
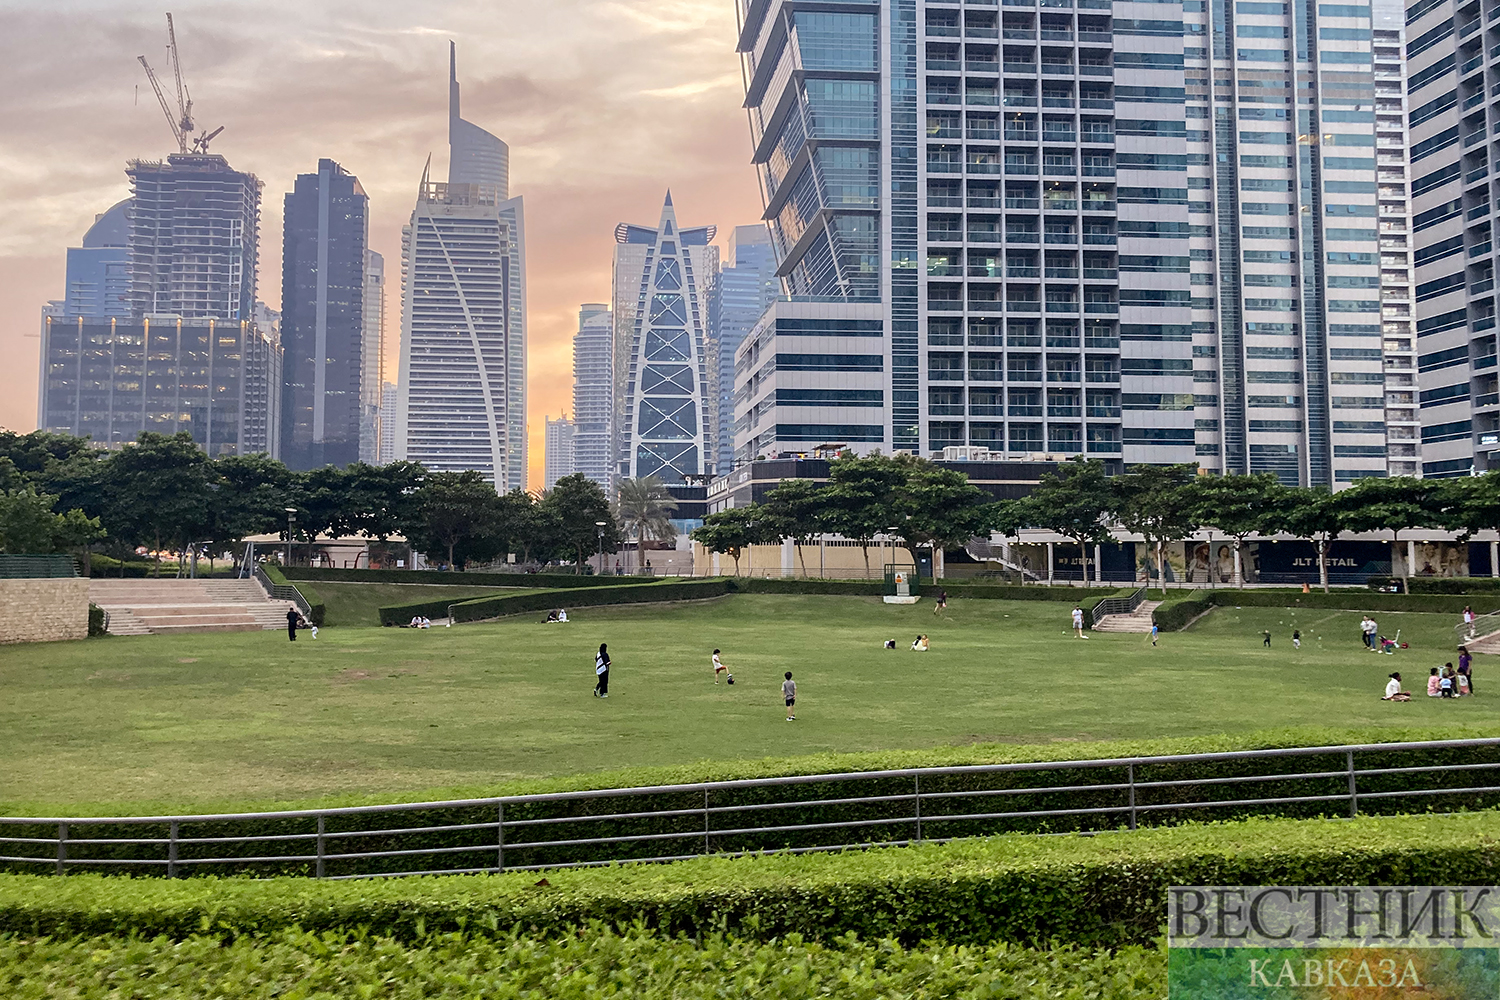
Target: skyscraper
[98, 280]
[558, 460]
[594, 396]
[326, 226]
[1452, 71]
[389, 401]
[372, 347]
[462, 387]
[666, 397]
[745, 289]
[194, 238]
[1087, 230]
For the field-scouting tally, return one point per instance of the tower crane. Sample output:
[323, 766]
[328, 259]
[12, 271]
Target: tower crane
[179, 121]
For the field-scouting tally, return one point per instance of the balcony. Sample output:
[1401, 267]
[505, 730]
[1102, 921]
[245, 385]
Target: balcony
[1057, 102]
[1476, 63]
[943, 97]
[1481, 249]
[976, 32]
[1479, 173]
[945, 236]
[1101, 343]
[1057, 135]
[945, 201]
[1020, 34]
[1023, 306]
[1020, 68]
[1033, 204]
[1487, 399]
[1063, 376]
[1100, 274]
[982, 167]
[1062, 170]
[984, 236]
[984, 201]
[1060, 205]
[1021, 410]
[989, 66]
[1104, 412]
[1104, 447]
[1015, 271]
[1096, 37]
[1025, 375]
[1098, 206]
[1096, 103]
[1057, 69]
[985, 410]
[1095, 69]
[1062, 272]
[944, 167]
[1099, 135]
[1062, 306]
[982, 99]
[1477, 212]
[1099, 239]
[1102, 308]
[1103, 377]
[1050, 35]
[1020, 135]
[943, 65]
[1021, 169]
[945, 270]
[1098, 170]
[1473, 137]
[1062, 343]
[1062, 239]
[984, 271]
[946, 375]
[944, 409]
[942, 31]
[1022, 236]
[984, 134]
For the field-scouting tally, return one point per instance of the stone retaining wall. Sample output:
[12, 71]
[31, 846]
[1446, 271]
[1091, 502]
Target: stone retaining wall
[44, 610]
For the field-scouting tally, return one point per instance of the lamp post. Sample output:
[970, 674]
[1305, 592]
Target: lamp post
[600, 526]
[891, 537]
[291, 525]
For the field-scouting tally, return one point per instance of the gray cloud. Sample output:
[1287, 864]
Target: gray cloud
[605, 103]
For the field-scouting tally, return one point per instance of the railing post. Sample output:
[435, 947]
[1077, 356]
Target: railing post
[917, 789]
[705, 820]
[500, 829]
[1353, 791]
[321, 832]
[172, 850]
[1130, 778]
[62, 846]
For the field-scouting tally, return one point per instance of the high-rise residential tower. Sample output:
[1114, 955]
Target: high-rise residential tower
[558, 459]
[1452, 77]
[462, 386]
[372, 362]
[1104, 229]
[194, 238]
[326, 228]
[745, 289]
[594, 395]
[666, 396]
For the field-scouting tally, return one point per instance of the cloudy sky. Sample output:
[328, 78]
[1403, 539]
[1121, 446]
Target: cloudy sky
[605, 104]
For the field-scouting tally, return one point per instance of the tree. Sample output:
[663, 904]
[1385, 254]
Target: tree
[250, 494]
[1470, 504]
[1393, 505]
[1154, 501]
[1316, 515]
[454, 511]
[379, 498]
[1238, 506]
[573, 507]
[794, 510]
[522, 528]
[1075, 502]
[29, 525]
[857, 499]
[937, 507]
[731, 531]
[158, 490]
[645, 508]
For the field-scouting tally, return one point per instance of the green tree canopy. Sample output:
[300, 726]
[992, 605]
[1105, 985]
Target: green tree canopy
[1076, 502]
[730, 531]
[573, 508]
[1395, 504]
[1238, 506]
[645, 510]
[29, 525]
[1154, 501]
[457, 513]
[857, 503]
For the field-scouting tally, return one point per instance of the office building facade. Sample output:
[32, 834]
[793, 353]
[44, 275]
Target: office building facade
[326, 231]
[372, 360]
[98, 275]
[558, 460]
[666, 386]
[389, 401]
[1453, 121]
[1099, 230]
[594, 396]
[194, 238]
[746, 288]
[462, 384]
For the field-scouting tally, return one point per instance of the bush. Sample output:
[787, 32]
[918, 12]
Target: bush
[1441, 584]
[1105, 891]
[483, 608]
[876, 588]
[1350, 600]
[278, 578]
[100, 565]
[1174, 616]
[96, 621]
[499, 581]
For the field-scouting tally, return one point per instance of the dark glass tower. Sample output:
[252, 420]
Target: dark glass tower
[323, 317]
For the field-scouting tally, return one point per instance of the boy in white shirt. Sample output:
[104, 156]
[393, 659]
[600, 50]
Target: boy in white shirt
[720, 668]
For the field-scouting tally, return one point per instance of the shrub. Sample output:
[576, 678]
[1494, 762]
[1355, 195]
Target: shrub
[1106, 891]
[1440, 585]
[1174, 616]
[278, 578]
[1349, 600]
[876, 588]
[96, 620]
[482, 608]
[499, 581]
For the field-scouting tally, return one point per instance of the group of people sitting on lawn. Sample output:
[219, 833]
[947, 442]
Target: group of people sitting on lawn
[918, 645]
[1446, 681]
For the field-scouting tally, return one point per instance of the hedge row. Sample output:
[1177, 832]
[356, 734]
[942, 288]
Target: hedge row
[484, 608]
[277, 577]
[597, 962]
[1174, 616]
[499, 581]
[872, 809]
[1103, 891]
[876, 588]
[1440, 585]
[1353, 600]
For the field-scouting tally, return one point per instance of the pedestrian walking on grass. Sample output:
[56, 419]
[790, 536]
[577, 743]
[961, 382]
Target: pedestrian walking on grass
[1266, 638]
[601, 672]
[1469, 621]
[292, 620]
[1296, 638]
[942, 602]
[1155, 633]
[789, 692]
[1078, 623]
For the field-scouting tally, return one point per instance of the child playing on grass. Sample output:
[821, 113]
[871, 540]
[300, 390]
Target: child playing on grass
[789, 692]
[1078, 622]
[1434, 684]
[720, 668]
[1155, 631]
[1265, 636]
[1296, 638]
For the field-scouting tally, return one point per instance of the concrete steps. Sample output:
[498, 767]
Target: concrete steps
[1484, 644]
[164, 607]
[1137, 621]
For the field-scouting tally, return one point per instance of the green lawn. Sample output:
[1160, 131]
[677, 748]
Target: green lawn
[358, 604]
[198, 719]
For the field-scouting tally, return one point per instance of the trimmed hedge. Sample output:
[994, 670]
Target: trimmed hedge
[1174, 616]
[484, 608]
[318, 610]
[1441, 585]
[1098, 891]
[876, 588]
[1355, 600]
[500, 581]
[96, 621]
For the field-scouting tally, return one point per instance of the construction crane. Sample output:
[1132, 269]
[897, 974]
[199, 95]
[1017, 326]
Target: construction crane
[179, 121]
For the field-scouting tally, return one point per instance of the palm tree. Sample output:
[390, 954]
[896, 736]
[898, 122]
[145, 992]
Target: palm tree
[645, 508]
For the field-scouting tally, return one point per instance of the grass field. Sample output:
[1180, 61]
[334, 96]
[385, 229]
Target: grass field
[248, 717]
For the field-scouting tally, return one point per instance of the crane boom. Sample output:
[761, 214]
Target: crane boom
[166, 109]
[184, 98]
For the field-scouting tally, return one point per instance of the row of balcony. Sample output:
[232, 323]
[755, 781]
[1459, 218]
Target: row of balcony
[1098, 136]
[973, 270]
[1021, 340]
[1031, 377]
[1033, 238]
[1026, 307]
[1022, 169]
[1055, 412]
[1032, 204]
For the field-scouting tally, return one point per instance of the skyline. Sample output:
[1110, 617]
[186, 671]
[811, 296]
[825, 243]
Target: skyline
[575, 89]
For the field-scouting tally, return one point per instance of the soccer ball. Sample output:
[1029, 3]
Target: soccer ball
[731, 678]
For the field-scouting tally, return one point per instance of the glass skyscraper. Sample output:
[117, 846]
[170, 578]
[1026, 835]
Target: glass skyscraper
[746, 288]
[594, 395]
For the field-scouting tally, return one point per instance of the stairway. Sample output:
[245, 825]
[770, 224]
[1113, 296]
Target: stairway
[1138, 620]
[164, 607]
[1484, 644]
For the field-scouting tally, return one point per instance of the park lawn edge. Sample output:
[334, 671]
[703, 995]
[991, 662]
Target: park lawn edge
[775, 767]
[1096, 891]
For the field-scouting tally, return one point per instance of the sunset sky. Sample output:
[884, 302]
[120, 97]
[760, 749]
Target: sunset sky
[605, 104]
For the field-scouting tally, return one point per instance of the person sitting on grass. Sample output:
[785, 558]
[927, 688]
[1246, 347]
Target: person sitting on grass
[890, 644]
[919, 645]
[1393, 690]
[1434, 683]
[1445, 685]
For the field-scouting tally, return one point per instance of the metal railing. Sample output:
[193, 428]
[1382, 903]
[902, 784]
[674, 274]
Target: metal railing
[1117, 606]
[1479, 628]
[793, 814]
[283, 592]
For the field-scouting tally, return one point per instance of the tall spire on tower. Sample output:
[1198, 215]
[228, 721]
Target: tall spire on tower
[475, 156]
[453, 111]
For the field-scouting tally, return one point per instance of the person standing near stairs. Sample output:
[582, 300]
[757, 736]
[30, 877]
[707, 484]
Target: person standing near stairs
[292, 619]
[1078, 622]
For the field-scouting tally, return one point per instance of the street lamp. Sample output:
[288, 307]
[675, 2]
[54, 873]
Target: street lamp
[600, 525]
[891, 536]
[291, 524]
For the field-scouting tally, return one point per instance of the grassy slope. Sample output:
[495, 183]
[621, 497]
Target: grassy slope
[187, 720]
[356, 604]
